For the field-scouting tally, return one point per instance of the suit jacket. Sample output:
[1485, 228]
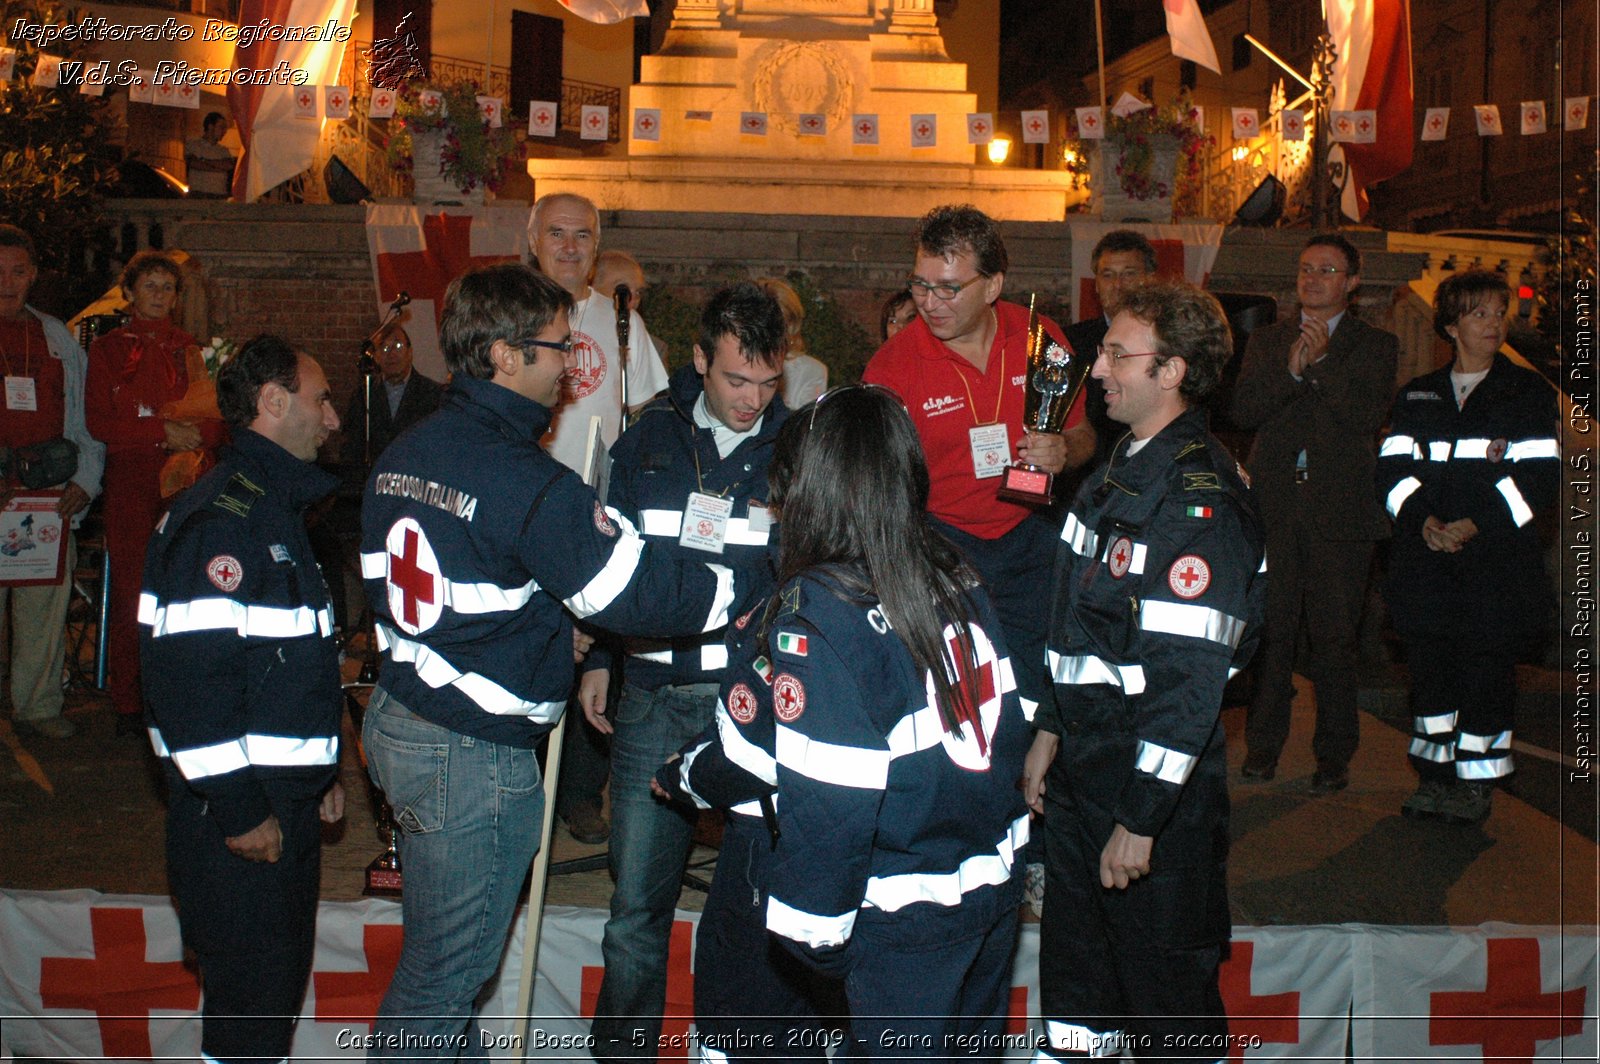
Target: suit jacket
[420, 398]
[1333, 413]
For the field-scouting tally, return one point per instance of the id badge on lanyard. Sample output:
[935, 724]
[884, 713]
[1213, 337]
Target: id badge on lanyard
[705, 522]
[21, 394]
[991, 450]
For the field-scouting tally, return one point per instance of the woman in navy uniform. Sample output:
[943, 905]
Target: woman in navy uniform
[868, 741]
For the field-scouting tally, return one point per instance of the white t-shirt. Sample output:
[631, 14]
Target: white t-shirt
[216, 182]
[592, 387]
[804, 379]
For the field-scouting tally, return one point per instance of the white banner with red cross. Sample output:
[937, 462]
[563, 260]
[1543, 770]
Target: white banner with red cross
[1186, 252]
[85, 975]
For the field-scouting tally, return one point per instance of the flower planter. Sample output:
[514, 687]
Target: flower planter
[429, 185]
[1110, 202]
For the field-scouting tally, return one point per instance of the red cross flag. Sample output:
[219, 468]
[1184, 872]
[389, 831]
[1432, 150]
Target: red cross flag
[1187, 251]
[1354, 127]
[8, 63]
[1435, 123]
[189, 96]
[980, 128]
[430, 100]
[863, 129]
[1036, 127]
[647, 123]
[541, 118]
[607, 12]
[1533, 118]
[493, 109]
[924, 131]
[813, 125]
[140, 89]
[1091, 123]
[166, 94]
[1575, 113]
[305, 102]
[1372, 72]
[1293, 124]
[93, 86]
[1246, 123]
[382, 104]
[753, 123]
[336, 101]
[595, 122]
[1487, 116]
[47, 74]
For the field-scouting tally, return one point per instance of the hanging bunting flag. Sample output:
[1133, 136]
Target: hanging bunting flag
[492, 108]
[1091, 123]
[305, 101]
[1487, 116]
[1129, 104]
[430, 100]
[1246, 123]
[1435, 123]
[166, 94]
[594, 123]
[1036, 127]
[924, 131]
[139, 89]
[8, 63]
[813, 125]
[697, 116]
[1575, 113]
[382, 104]
[1353, 127]
[980, 128]
[647, 123]
[1293, 123]
[541, 118]
[863, 129]
[1533, 119]
[753, 123]
[336, 101]
[92, 86]
[1190, 38]
[47, 74]
[189, 97]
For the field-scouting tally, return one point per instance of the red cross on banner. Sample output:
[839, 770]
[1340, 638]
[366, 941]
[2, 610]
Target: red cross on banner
[680, 993]
[117, 983]
[1512, 1013]
[1268, 1017]
[353, 997]
[967, 710]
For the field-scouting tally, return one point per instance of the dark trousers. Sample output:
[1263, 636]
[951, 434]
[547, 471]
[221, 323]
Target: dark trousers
[1316, 586]
[1462, 705]
[251, 924]
[585, 756]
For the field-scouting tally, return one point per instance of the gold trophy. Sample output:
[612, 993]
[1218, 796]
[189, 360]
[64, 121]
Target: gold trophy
[1055, 377]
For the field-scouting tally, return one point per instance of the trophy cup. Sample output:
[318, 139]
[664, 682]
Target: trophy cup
[1055, 377]
[383, 874]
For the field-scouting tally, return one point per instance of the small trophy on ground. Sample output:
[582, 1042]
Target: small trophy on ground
[1055, 377]
[383, 874]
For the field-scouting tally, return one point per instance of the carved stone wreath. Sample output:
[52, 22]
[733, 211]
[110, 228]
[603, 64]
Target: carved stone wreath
[803, 77]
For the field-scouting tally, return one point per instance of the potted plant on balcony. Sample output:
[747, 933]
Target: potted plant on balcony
[1141, 167]
[449, 148]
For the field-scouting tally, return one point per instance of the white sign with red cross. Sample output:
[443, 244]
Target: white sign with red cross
[978, 699]
[1036, 127]
[863, 129]
[1189, 576]
[416, 587]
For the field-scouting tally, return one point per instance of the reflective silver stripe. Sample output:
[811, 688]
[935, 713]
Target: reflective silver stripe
[660, 657]
[685, 767]
[1079, 538]
[750, 808]
[1539, 447]
[1263, 567]
[603, 588]
[224, 614]
[668, 523]
[742, 751]
[815, 931]
[721, 599]
[1482, 744]
[283, 750]
[1029, 708]
[465, 597]
[1438, 724]
[1443, 753]
[916, 731]
[1091, 669]
[215, 760]
[709, 1055]
[1439, 450]
[1167, 765]
[1491, 769]
[740, 535]
[1521, 513]
[1201, 622]
[1233, 670]
[157, 743]
[892, 893]
[1074, 1038]
[842, 766]
[433, 670]
[713, 656]
[1397, 446]
[1470, 448]
[1399, 494]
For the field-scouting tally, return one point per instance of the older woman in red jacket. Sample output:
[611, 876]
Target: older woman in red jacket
[133, 373]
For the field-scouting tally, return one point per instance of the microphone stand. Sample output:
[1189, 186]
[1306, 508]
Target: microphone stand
[620, 299]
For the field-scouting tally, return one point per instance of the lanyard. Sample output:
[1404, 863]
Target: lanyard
[1000, 393]
[27, 351]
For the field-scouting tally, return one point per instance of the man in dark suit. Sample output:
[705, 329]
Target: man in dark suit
[1315, 388]
[401, 399]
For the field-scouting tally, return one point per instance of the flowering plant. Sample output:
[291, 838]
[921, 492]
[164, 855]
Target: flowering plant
[216, 354]
[1135, 138]
[473, 153]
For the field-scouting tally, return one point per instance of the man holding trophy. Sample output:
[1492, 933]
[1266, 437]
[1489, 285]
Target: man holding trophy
[962, 367]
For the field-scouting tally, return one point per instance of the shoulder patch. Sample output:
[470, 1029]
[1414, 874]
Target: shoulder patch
[742, 703]
[1190, 448]
[1201, 482]
[788, 698]
[225, 572]
[762, 667]
[238, 496]
[602, 521]
[1189, 576]
[791, 643]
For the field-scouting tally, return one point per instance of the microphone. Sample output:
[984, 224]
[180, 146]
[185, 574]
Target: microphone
[622, 296]
[401, 300]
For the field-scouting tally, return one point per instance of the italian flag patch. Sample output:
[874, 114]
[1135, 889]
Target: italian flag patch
[763, 669]
[792, 643]
[1199, 511]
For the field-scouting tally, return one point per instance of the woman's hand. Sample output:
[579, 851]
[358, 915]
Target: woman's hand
[1035, 766]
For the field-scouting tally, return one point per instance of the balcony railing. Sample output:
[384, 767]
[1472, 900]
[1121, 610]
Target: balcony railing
[575, 95]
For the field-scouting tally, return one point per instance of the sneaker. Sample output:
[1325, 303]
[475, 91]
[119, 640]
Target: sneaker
[49, 727]
[1466, 802]
[1033, 888]
[588, 825]
[1424, 804]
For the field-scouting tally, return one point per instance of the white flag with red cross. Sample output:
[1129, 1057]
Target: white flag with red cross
[1575, 113]
[140, 89]
[1487, 116]
[381, 105]
[1091, 123]
[336, 101]
[594, 122]
[753, 123]
[189, 97]
[1036, 127]
[812, 125]
[166, 95]
[1435, 123]
[647, 123]
[47, 72]
[541, 118]
[8, 63]
[980, 128]
[863, 129]
[305, 102]
[1293, 123]
[1533, 117]
[924, 131]
[1353, 127]
[1246, 122]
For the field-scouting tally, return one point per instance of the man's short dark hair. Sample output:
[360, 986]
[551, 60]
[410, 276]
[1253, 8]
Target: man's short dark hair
[950, 230]
[1124, 240]
[12, 237]
[148, 261]
[264, 360]
[1352, 257]
[1462, 293]
[1188, 324]
[750, 314]
[211, 117]
[509, 302]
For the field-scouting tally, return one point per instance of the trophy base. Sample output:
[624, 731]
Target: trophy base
[1028, 485]
[383, 877]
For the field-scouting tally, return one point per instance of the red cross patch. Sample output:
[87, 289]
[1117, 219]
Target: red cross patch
[1189, 576]
[1120, 557]
[788, 698]
[602, 521]
[1497, 450]
[742, 703]
[416, 588]
[225, 571]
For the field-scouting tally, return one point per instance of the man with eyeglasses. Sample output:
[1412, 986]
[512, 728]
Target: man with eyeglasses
[961, 369]
[479, 550]
[1315, 387]
[1159, 597]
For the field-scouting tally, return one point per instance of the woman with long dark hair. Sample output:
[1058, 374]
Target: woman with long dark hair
[868, 742]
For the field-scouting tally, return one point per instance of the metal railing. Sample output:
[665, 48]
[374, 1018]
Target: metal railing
[576, 94]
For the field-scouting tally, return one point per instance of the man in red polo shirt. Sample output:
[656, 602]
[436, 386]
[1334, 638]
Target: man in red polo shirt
[961, 368]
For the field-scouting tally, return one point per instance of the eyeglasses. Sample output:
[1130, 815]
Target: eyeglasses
[1117, 356]
[1321, 271]
[946, 292]
[564, 346]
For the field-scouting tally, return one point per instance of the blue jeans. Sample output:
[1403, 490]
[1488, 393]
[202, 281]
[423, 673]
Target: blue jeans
[650, 845]
[468, 814]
